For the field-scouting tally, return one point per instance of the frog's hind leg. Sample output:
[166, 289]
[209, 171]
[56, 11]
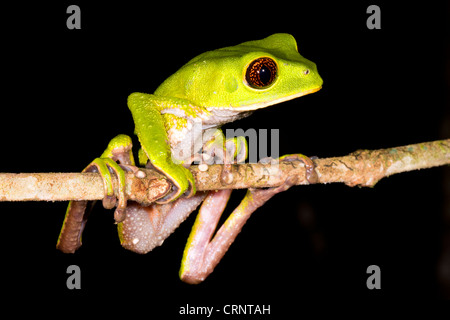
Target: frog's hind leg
[203, 251]
[147, 227]
[118, 150]
[202, 254]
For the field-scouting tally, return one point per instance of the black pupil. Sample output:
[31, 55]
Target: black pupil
[265, 75]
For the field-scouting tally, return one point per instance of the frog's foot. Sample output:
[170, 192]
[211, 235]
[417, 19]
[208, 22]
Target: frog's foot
[78, 211]
[106, 167]
[225, 151]
[182, 180]
[119, 149]
[311, 174]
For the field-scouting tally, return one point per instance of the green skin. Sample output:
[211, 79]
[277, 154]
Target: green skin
[207, 92]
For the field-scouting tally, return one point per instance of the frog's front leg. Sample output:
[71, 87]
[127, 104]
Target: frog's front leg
[202, 254]
[119, 149]
[156, 145]
[147, 227]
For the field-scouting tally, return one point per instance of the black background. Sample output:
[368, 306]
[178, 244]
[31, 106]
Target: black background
[64, 97]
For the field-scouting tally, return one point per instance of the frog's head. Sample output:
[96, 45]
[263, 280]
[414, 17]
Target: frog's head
[245, 77]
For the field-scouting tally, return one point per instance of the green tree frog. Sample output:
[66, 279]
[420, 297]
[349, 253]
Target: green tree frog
[178, 124]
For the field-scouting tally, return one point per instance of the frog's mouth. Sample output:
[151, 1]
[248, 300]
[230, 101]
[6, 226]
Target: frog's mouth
[264, 104]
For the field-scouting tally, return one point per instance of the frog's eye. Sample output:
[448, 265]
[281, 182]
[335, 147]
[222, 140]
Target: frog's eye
[261, 73]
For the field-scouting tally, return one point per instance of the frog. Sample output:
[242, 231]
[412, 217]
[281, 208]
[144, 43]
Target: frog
[179, 124]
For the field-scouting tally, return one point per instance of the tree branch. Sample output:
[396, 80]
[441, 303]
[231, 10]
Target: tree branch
[363, 168]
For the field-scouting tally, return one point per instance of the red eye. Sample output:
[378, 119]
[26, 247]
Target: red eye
[261, 73]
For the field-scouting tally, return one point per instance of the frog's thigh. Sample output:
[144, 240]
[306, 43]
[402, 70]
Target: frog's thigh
[147, 227]
[137, 232]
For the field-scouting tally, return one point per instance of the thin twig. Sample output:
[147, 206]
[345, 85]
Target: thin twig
[363, 168]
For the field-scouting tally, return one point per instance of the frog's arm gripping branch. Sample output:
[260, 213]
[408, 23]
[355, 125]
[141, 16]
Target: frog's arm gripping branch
[362, 168]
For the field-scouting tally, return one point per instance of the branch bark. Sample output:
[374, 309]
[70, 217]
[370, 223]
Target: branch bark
[362, 168]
